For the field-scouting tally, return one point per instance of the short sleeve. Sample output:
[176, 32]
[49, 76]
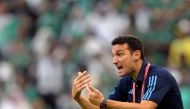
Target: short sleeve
[157, 88]
[118, 92]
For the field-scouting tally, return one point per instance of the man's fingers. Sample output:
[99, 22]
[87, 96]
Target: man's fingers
[92, 88]
[83, 79]
[87, 89]
[84, 71]
[80, 86]
[83, 83]
[80, 75]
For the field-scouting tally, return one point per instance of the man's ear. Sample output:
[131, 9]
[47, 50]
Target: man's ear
[137, 55]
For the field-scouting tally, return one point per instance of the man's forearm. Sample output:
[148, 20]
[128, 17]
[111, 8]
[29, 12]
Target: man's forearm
[111, 104]
[85, 103]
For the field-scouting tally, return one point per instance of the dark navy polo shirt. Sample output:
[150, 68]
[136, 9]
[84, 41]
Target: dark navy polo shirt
[160, 87]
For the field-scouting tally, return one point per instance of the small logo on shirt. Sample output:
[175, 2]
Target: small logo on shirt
[131, 91]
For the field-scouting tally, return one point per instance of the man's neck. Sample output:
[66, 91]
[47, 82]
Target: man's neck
[138, 66]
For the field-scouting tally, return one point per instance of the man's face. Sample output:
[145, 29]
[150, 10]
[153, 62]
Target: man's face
[123, 59]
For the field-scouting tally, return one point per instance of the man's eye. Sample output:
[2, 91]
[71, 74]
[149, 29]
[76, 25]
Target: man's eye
[119, 54]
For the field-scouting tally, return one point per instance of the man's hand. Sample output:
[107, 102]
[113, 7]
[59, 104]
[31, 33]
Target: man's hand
[79, 83]
[94, 95]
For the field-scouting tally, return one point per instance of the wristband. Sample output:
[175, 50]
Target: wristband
[103, 105]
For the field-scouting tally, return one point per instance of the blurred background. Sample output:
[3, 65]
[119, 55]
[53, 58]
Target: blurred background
[44, 43]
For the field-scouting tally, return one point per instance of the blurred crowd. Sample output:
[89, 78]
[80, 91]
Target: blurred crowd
[44, 43]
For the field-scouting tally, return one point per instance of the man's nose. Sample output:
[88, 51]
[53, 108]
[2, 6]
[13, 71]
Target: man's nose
[115, 60]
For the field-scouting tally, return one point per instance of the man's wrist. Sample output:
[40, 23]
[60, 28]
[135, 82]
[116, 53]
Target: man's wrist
[103, 104]
[77, 98]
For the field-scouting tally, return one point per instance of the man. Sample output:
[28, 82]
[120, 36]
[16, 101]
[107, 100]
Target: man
[143, 86]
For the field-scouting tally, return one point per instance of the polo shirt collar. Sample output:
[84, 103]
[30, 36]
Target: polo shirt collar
[142, 71]
[140, 76]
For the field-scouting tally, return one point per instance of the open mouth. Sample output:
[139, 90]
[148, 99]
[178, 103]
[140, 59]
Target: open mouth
[119, 67]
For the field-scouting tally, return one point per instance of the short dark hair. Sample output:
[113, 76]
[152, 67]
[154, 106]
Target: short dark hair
[133, 42]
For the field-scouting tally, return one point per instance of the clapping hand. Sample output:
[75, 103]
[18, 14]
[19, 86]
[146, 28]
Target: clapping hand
[94, 95]
[82, 79]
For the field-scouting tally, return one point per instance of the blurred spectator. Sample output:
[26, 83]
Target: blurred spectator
[14, 99]
[179, 52]
[179, 57]
[99, 65]
[49, 75]
[139, 16]
[105, 23]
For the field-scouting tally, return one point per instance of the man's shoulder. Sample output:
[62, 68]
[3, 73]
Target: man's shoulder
[160, 71]
[163, 75]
